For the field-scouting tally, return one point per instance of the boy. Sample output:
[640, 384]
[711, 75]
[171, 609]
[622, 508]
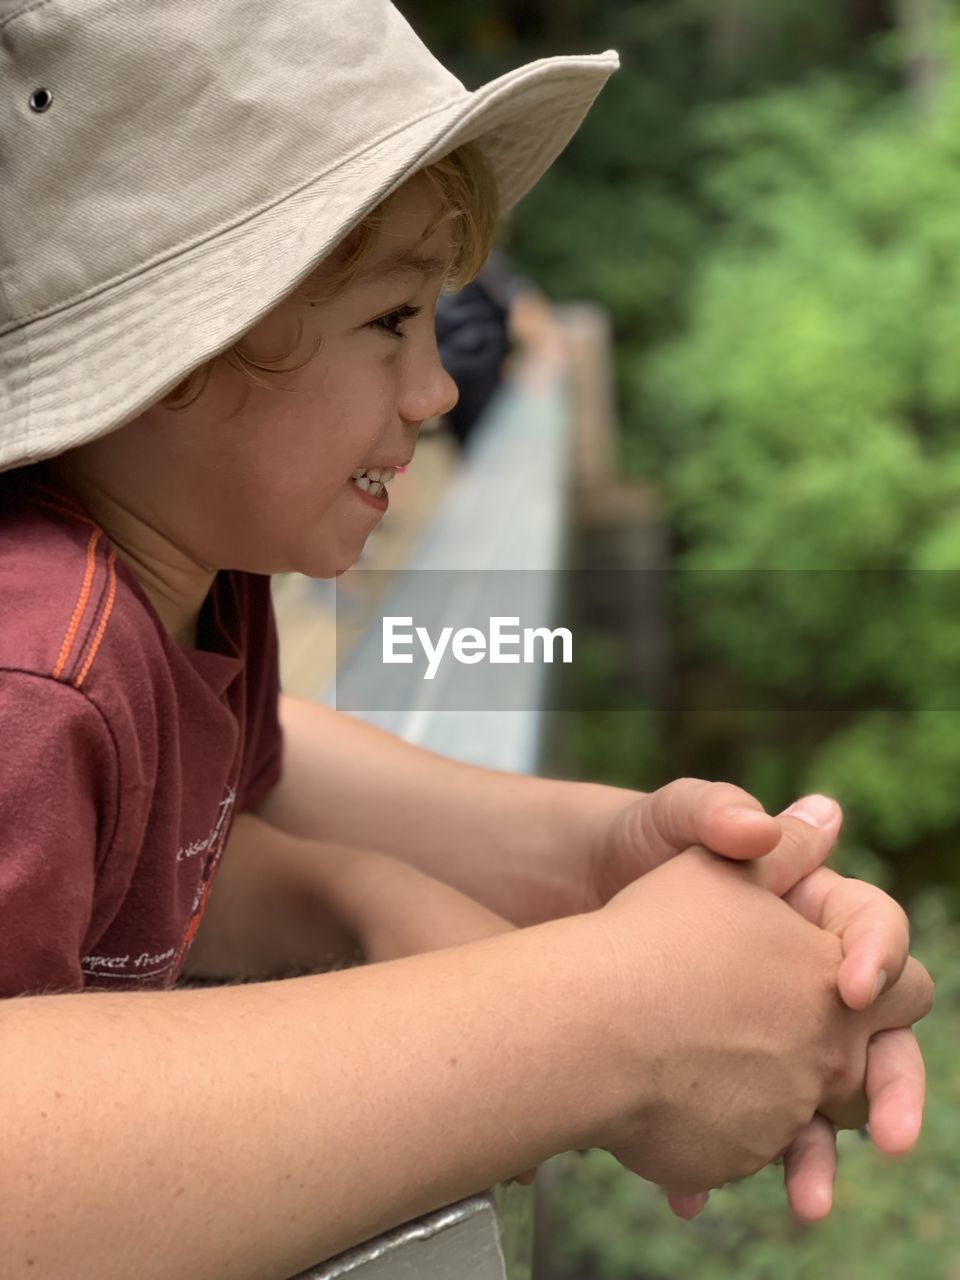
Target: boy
[285, 189]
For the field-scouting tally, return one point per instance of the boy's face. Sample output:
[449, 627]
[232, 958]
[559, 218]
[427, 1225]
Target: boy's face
[269, 489]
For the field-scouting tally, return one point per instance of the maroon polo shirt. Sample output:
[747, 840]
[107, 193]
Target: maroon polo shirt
[123, 757]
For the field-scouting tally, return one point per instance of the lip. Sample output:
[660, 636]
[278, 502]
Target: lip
[383, 466]
[379, 504]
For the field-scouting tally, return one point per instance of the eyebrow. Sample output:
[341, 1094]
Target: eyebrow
[405, 263]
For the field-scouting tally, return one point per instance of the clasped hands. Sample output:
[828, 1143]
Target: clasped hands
[783, 855]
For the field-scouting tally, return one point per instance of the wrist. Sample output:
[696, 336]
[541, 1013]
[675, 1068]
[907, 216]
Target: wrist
[586, 816]
[567, 974]
[628, 989]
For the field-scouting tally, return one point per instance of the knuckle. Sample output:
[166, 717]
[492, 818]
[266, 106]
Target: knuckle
[673, 797]
[843, 1070]
[630, 827]
[666, 793]
[925, 989]
[835, 1068]
[863, 891]
[918, 977]
[895, 918]
[722, 795]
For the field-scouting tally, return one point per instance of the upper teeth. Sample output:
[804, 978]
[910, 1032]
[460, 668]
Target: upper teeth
[373, 478]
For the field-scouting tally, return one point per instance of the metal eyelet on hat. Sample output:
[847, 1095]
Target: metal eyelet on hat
[40, 100]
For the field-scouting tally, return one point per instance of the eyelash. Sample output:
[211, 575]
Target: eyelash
[388, 322]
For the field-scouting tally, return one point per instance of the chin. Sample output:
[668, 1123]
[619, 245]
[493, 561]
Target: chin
[317, 571]
[327, 562]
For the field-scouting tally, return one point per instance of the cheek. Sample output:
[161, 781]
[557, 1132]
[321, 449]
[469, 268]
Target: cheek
[357, 389]
[346, 434]
[341, 414]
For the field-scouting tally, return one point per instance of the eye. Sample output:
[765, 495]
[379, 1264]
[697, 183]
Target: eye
[391, 322]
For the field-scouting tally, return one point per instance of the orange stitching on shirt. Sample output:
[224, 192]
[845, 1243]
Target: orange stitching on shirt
[105, 617]
[81, 604]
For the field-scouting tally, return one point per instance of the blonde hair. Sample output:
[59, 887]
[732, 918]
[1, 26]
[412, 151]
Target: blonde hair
[467, 190]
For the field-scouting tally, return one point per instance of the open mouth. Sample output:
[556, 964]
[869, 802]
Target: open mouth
[373, 481]
[372, 491]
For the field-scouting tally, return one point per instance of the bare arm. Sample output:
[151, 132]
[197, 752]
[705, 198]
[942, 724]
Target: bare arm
[244, 1133]
[282, 906]
[249, 1132]
[498, 837]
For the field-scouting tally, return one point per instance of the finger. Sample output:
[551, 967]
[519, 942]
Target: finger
[810, 1169]
[687, 1206]
[872, 927]
[906, 1003]
[718, 815]
[803, 847]
[896, 1088]
[876, 945]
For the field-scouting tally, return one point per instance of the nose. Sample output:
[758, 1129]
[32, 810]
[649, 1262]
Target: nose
[451, 392]
[429, 391]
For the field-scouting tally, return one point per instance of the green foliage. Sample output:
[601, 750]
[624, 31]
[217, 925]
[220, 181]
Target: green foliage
[892, 1218]
[771, 220]
[627, 743]
[808, 421]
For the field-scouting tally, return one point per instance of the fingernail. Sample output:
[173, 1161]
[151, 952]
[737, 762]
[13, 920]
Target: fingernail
[879, 985]
[815, 811]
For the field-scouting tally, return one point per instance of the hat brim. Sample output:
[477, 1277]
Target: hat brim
[76, 374]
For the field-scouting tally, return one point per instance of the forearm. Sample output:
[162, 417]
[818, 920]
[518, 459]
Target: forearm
[500, 838]
[280, 905]
[245, 1133]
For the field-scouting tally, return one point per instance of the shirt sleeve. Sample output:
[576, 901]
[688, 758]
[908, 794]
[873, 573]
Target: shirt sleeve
[263, 746]
[58, 794]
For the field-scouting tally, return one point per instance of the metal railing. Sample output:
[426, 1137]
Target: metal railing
[481, 1238]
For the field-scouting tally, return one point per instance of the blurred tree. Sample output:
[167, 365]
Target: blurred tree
[773, 233]
[809, 421]
[868, 18]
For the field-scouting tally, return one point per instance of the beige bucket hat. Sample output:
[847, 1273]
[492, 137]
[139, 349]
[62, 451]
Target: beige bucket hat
[171, 169]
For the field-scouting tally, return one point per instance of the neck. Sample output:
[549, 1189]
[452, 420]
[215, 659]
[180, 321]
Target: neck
[174, 583]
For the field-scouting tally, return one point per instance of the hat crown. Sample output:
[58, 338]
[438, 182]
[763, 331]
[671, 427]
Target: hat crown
[172, 120]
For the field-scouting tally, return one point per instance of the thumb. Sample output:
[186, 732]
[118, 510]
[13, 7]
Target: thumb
[809, 831]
